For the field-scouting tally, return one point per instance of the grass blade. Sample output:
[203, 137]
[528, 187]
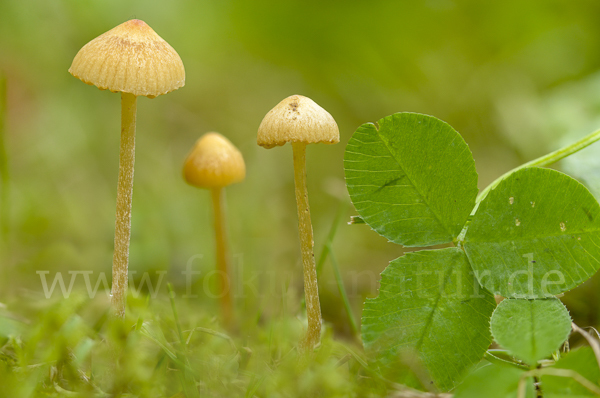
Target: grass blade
[188, 381]
[328, 252]
[332, 232]
[342, 289]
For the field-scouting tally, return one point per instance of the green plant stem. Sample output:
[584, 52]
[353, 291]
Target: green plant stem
[124, 196]
[186, 377]
[499, 361]
[4, 174]
[328, 251]
[521, 392]
[211, 332]
[224, 278]
[332, 232]
[311, 288]
[545, 160]
[542, 161]
[176, 316]
[342, 290]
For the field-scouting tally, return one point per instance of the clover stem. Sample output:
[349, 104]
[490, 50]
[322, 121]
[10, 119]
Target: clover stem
[224, 280]
[566, 373]
[592, 342]
[124, 195]
[545, 160]
[311, 289]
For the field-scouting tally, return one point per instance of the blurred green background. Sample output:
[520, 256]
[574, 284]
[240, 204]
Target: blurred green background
[516, 79]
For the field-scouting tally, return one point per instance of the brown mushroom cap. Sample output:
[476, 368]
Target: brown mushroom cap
[297, 119]
[130, 58]
[214, 162]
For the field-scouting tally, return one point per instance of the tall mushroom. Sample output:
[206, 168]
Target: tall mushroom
[301, 121]
[214, 163]
[132, 59]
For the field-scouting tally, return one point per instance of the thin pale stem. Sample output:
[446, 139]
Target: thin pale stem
[311, 289]
[545, 160]
[124, 195]
[224, 279]
[592, 342]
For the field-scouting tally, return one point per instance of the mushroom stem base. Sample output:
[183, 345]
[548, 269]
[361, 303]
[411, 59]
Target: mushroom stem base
[311, 288]
[124, 195]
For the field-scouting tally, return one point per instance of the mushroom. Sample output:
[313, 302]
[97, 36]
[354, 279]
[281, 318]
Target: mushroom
[214, 163]
[132, 59]
[299, 120]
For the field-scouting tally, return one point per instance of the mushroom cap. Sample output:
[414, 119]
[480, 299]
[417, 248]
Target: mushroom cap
[214, 162]
[130, 58]
[297, 119]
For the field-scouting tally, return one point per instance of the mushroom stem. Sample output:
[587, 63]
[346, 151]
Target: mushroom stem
[311, 288]
[124, 194]
[224, 280]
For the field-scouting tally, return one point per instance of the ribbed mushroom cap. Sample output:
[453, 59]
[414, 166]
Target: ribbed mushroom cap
[297, 119]
[214, 162]
[130, 58]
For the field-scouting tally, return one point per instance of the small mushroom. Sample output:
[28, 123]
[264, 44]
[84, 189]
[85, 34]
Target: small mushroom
[132, 59]
[301, 121]
[214, 163]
